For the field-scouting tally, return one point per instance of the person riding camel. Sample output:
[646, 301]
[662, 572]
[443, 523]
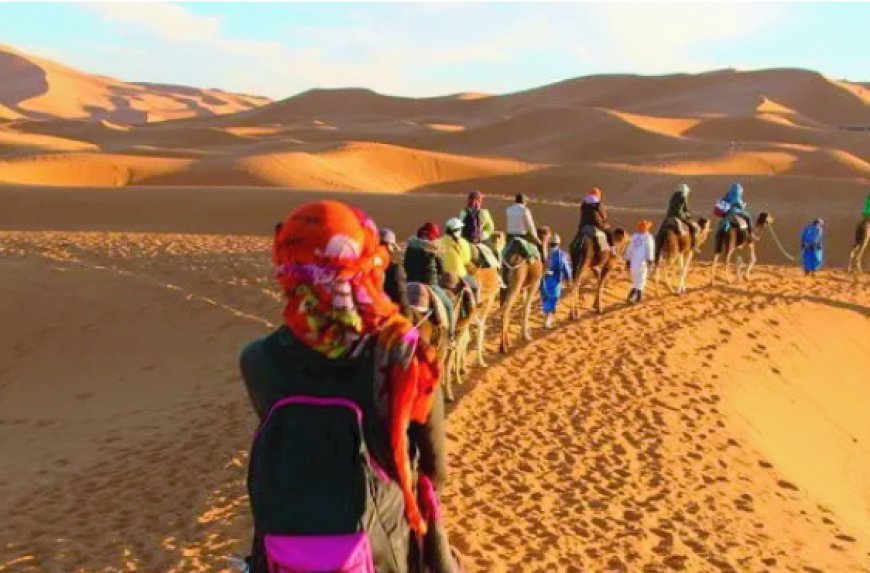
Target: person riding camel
[678, 210]
[737, 208]
[457, 256]
[477, 223]
[349, 457]
[478, 228]
[394, 273]
[593, 221]
[521, 225]
[423, 260]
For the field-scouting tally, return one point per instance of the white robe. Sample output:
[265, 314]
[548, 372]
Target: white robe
[640, 253]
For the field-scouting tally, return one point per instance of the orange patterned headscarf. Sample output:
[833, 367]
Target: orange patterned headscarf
[331, 266]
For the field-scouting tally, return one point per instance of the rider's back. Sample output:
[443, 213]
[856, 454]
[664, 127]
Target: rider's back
[422, 261]
[278, 366]
[592, 214]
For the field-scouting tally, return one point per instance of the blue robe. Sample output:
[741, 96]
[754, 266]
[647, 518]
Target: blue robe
[811, 246]
[558, 270]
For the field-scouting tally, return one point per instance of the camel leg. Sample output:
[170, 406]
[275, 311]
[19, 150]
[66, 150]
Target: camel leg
[713, 269]
[727, 265]
[860, 257]
[685, 264]
[602, 277]
[448, 375]
[669, 278]
[462, 353]
[516, 284]
[752, 260]
[527, 311]
[574, 295]
[480, 335]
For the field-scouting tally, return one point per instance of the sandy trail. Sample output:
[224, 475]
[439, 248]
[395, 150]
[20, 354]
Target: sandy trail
[619, 443]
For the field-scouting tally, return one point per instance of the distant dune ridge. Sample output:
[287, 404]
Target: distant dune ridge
[59, 126]
[34, 88]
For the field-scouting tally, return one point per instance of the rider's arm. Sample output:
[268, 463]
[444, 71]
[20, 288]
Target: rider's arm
[487, 225]
[530, 223]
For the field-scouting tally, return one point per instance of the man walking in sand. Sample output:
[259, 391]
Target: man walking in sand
[640, 255]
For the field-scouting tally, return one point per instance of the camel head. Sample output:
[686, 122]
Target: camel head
[764, 219]
[499, 241]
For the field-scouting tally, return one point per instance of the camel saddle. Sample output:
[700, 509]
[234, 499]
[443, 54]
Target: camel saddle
[486, 257]
[428, 301]
[679, 226]
[525, 248]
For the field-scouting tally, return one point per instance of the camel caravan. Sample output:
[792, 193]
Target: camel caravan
[451, 285]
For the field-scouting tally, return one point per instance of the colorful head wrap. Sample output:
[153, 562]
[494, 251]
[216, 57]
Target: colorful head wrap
[328, 262]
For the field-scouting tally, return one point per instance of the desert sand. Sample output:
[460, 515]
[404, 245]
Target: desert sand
[719, 431]
[723, 430]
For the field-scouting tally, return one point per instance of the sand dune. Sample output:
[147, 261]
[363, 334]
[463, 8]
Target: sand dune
[653, 438]
[37, 88]
[597, 129]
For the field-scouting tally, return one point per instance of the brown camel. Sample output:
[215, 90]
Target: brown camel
[436, 330]
[523, 276]
[862, 240]
[490, 288]
[588, 259]
[734, 240]
[673, 247]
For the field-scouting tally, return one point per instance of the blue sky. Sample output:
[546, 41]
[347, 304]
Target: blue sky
[422, 49]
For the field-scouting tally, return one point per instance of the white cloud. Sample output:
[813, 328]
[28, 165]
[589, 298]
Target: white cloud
[426, 49]
[167, 21]
[666, 37]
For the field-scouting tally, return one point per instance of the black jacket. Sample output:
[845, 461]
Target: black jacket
[423, 261]
[593, 214]
[678, 207]
[394, 285]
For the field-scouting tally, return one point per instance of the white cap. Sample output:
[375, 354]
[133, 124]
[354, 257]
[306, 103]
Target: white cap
[454, 224]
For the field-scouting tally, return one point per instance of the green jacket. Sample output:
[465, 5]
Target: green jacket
[867, 206]
[487, 225]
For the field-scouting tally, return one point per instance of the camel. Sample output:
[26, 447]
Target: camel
[424, 310]
[523, 277]
[490, 289]
[735, 240]
[587, 259]
[862, 240]
[672, 247]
